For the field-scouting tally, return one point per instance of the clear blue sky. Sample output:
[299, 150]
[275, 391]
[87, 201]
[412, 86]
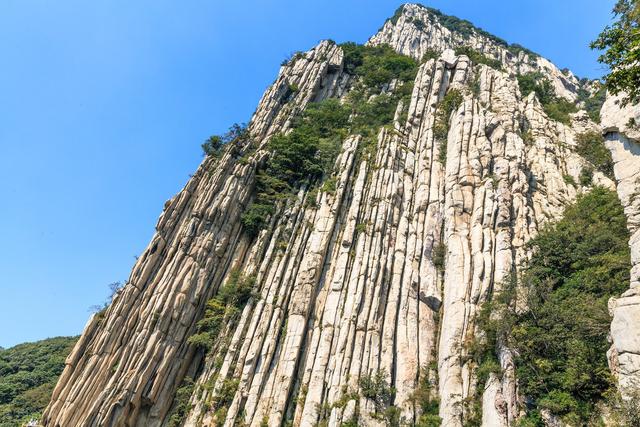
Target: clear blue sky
[104, 104]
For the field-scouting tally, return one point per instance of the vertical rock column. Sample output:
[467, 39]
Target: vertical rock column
[623, 140]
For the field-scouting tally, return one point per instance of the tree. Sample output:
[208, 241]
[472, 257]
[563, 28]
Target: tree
[236, 133]
[621, 44]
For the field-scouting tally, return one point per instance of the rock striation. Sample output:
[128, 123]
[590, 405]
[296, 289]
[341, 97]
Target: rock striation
[384, 273]
[623, 140]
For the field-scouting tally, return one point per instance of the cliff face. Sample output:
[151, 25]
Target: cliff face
[623, 140]
[382, 272]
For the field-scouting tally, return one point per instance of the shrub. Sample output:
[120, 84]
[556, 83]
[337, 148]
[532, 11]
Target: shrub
[224, 307]
[556, 108]
[586, 176]
[560, 341]
[479, 58]
[376, 388]
[304, 155]
[536, 82]
[593, 103]
[377, 65]
[559, 110]
[430, 54]
[438, 256]
[427, 402]
[449, 103]
[181, 405]
[590, 145]
[237, 133]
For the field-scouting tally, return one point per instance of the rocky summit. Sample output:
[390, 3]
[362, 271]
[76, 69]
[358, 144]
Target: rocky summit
[328, 264]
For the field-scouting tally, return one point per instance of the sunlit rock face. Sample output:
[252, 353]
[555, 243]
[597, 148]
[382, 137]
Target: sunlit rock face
[619, 124]
[345, 280]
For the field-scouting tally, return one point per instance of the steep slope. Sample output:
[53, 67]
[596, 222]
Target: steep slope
[365, 288]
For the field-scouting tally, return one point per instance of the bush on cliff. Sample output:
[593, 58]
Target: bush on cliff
[577, 264]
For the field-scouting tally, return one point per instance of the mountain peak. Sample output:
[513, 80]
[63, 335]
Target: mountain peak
[416, 30]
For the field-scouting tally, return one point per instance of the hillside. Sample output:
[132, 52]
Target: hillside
[28, 373]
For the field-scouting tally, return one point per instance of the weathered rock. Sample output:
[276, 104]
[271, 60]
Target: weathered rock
[347, 286]
[623, 139]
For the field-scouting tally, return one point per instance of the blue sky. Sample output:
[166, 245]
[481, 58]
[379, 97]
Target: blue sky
[104, 105]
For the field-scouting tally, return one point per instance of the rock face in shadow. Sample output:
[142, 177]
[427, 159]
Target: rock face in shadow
[346, 283]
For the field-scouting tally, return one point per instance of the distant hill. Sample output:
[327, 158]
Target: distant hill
[28, 373]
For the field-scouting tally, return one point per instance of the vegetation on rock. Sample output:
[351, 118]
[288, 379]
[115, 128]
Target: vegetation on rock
[214, 144]
[590, 145]
[560, 340]
[478, 58]
[593, 102]
[300, 157]
[28, 374]
[449, 103]
[307, 154]
[225, 306]
[555, 107]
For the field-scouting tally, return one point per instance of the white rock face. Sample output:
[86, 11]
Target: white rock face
[623, 139]
[348, 285]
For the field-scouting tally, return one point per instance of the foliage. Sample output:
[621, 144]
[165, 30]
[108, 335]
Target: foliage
[376, 388]
[586, 176]
[28, 374]
[536, 82]
[593, 103]
[430, 54]
[438, 255]
[223, 399]
[307, 154]
[302, 156]
[101, 309]
[479, 58]
[213, 145]
[181, 405]
[377, 65]
[621, 43]
[590, 145]
[555, 107]
[426, 401]
[559, 110]
[463, 27]
[231, 298]
[560, 341]
[624, 412]
[449, 103]
[515, 49]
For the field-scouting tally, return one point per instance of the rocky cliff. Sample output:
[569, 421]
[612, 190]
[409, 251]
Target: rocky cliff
[623, 140]
[380, 271]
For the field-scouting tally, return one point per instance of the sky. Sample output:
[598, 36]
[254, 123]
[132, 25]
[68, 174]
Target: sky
[104, 105]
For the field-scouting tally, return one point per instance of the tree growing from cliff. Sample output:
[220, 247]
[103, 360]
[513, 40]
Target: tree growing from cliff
[576, 265]
[621, 44]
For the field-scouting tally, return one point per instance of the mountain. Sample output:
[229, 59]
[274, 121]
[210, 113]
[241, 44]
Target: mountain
[334, 262]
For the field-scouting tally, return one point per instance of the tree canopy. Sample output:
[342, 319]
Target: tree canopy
[621, 44]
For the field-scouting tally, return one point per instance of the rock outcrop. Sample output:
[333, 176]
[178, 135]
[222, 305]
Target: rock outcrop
[384, 273]
[623, 139]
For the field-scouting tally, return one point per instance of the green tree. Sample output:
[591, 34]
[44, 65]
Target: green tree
[28, 374]
[621, 44]
[560, 341]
